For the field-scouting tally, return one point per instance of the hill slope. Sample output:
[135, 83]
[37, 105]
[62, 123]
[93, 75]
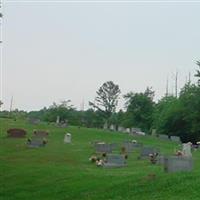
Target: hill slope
[63, 171]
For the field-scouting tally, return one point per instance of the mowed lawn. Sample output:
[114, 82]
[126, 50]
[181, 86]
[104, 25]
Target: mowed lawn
[62, 171]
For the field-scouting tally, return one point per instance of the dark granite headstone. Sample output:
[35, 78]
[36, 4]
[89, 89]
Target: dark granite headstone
[16, 133]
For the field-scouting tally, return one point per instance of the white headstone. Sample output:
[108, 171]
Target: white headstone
[112, 127]
[187, 149]
[58, 120]
[67, 138]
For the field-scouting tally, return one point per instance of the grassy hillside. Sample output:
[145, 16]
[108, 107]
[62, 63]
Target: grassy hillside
[63, 171]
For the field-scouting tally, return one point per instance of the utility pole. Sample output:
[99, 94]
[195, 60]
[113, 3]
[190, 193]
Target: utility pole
[167, 88]
[11, 104]
[189, 77]
[176, 84]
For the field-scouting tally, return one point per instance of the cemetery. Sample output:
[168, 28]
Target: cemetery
[64, 152]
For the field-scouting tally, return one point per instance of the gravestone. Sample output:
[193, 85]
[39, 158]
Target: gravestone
[58, 120]
[187, 150]
[34, 121]
[175, 139]
[112, 127]
[178, 163]
[105, 126]
[121, 129]
[42, 134]
[103, 148]
[160, 160]
[36, 142]
[130, 146]
[146, 151]
[67, 138]
[127, 130]
[163, 137]
[153, 133]
[114, 160]
[135, 130]
[16, 133]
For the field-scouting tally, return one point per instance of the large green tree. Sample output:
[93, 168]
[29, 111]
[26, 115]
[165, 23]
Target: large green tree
[107, 99]
[140, 107]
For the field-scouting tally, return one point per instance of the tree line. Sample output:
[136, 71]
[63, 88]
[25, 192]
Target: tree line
[171, 115]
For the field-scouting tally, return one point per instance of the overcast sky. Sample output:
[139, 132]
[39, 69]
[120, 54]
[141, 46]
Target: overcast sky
[59, 51]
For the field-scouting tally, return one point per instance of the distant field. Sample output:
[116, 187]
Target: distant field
[62, 171]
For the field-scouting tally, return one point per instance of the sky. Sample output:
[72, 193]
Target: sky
[54, 51]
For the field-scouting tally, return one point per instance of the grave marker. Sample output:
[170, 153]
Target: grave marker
[16, 133]
[115, 160]
[42, 134]
[145, 151]
[177, 163]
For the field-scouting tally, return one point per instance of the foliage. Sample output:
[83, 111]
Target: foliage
[107, 99]
[140, 107]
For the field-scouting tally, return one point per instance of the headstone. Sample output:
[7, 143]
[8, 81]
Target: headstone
[112, 127]
[187, 150]
[135, 130]
[67, 138]
[58, 120]
[105, 126]
[160, 160]
[128, 130]
[115, 160]
[16, 133]
[34, 121]
[153, 133]
[36, 142]
[178, 163]
[146, 151]
[103, 148]
[42, 134]
[130, 146]
[163, 137]
[121, 129]
[175, 139]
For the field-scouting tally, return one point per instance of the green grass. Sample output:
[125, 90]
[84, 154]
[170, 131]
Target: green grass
[63, 171]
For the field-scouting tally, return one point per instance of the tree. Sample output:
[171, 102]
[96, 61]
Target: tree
[140, 107]
[107, 99]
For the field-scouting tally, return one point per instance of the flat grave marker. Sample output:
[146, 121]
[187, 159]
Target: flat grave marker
[16, 133]
[115, 160]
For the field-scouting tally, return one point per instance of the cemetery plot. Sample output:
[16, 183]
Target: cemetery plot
[115, 160]
[177, 163]
[16, 133]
